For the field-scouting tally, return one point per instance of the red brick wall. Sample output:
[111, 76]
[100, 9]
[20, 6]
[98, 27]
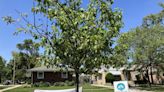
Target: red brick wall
[52, 77]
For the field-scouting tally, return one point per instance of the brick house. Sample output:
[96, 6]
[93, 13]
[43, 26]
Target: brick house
[51, 74]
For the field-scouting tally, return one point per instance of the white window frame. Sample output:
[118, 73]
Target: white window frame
[40, 77]
[64, 75]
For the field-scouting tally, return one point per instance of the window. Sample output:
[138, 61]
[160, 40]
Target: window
[40, 75]
[64, 74]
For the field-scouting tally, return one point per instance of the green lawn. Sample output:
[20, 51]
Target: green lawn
[86, 88]
[2, 87]
[153, 88]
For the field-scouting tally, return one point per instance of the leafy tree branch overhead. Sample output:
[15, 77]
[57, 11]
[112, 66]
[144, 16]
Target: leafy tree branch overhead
[74, 35]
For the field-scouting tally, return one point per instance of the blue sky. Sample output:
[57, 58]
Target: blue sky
[133, 12]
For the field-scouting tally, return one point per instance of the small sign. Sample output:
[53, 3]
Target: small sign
[121, 86]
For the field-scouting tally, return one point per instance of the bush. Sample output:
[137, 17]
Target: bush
[71, 83]
[109, 78]
[45, 84]
[41, 84]
[56, 84]
[84, 79]
[62, 84]
[66, 83]
[35, 85]
[28, 81]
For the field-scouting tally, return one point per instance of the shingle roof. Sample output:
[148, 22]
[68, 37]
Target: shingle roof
[49, 69]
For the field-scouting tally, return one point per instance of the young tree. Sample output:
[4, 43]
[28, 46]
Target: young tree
[74, 35]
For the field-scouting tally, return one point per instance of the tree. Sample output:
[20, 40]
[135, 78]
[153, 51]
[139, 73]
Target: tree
[18, 66]
[144, 46]
[3, 68]
[74, 36]
[29, 51]
[25, 59]
[154, 19]
[110, 78]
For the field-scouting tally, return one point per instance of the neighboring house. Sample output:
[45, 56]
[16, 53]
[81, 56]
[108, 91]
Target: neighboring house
[131, 74]
[100, 77]
[51, 74]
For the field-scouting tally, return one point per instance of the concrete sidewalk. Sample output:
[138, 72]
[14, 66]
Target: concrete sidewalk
[130, 90]
[9, 88]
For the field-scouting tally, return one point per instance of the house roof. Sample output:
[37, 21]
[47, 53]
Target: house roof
[115, 72]
[49, 69]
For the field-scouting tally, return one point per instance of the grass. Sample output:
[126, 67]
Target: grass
[158, 88]
[86, 88]
[2, 87]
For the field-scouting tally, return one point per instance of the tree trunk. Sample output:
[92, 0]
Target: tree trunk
[14, 73]
[0, 78]
[147, 73]
[151, 72]
[77, 81]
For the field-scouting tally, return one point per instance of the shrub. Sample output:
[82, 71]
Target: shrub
[84, 79]
[56, 84]
[62, 84]
[45, 84]
[109, 78]
[41, 84]
[28, 81]
[35, 85]
[66, 83]
[71, 83]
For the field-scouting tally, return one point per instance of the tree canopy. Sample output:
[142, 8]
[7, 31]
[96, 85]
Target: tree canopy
[144, 45]
[2, 69]
[154, 19]
[72, 34]
[25, 58]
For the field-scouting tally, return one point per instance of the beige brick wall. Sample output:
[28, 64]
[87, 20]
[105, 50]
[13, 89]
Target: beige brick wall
[100, 79]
